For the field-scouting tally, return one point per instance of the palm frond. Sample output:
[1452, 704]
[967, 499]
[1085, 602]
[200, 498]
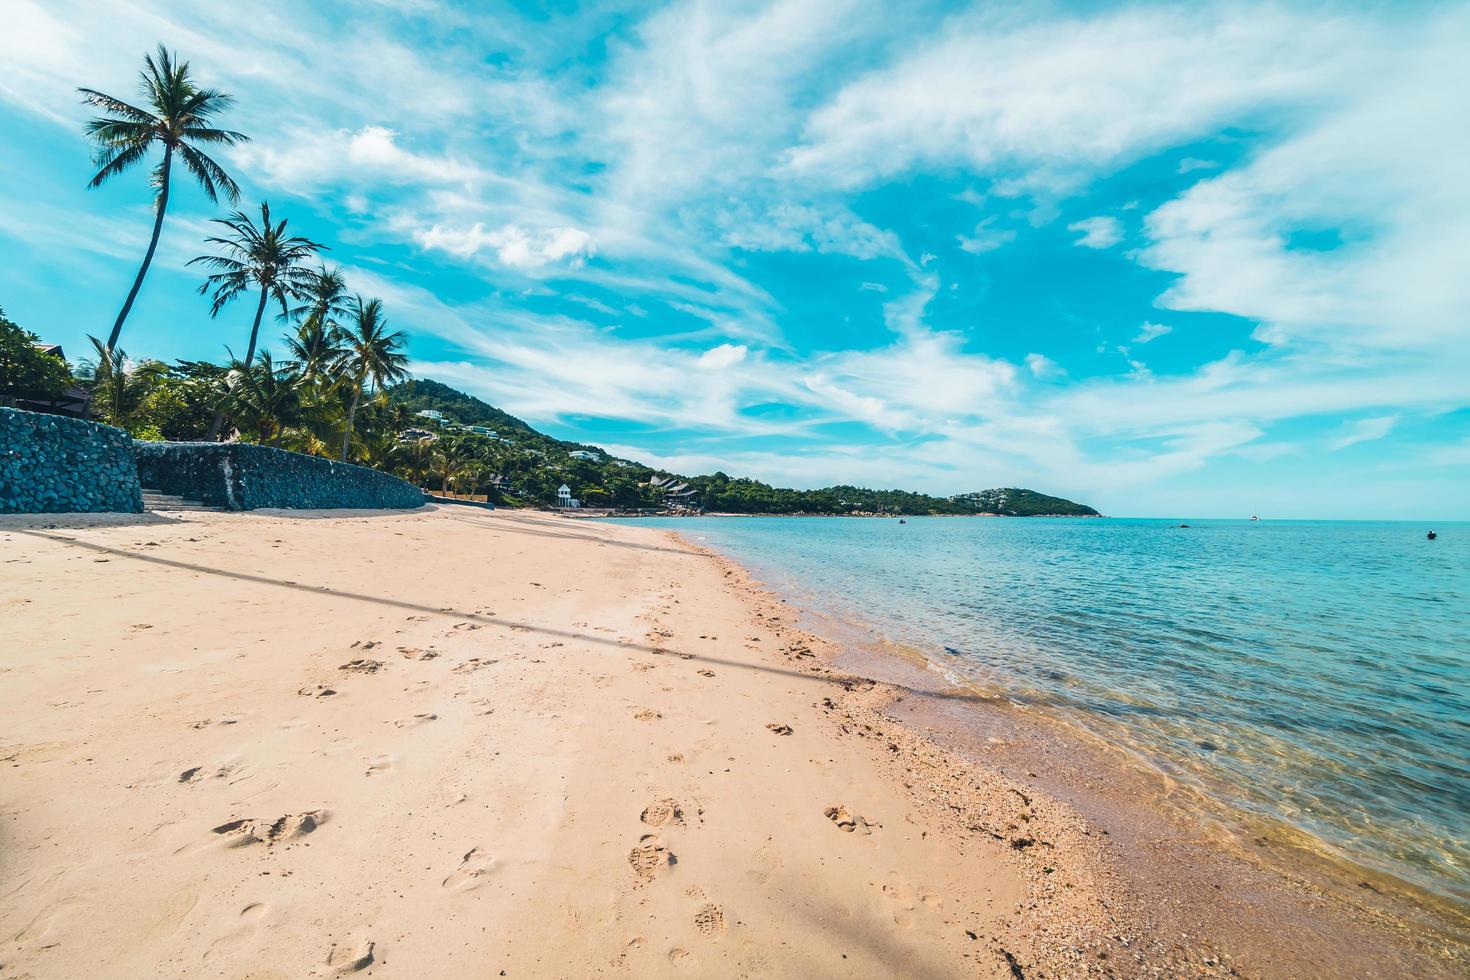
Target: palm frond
[114, 163]
[211, 176]
[116, 106]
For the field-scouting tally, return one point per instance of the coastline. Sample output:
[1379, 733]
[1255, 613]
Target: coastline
[453, 740]
[1270, 899]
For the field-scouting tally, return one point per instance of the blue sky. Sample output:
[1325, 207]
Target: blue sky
[1169, 260]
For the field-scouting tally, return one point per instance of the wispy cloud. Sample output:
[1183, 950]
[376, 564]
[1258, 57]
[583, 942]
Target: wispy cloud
[1151, 331]
[1100, 232]
[1365, 430]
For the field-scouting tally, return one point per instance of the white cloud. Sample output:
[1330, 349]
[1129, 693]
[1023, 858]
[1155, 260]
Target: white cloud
[1100, 232]
[987, 238]
[1365, 430]
[805, 228]
[1151, 331]
[1042, 366]
[723, 356]
[305, 159]
[1375, 182]
[513, 246]
[1064, 96]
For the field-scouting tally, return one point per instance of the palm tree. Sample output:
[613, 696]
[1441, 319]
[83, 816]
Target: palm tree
[178, 116]
[108, 375]
[266, 396]
[451, 461]
[374, 355]
[414, 459]
[263, 257]
[317, 344]
[316, 348]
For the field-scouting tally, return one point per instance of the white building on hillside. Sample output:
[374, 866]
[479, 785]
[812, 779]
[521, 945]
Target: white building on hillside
[564, 497]
[584, 454]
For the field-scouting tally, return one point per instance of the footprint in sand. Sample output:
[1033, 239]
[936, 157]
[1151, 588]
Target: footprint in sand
[706, 673]
[414, 653]
[646, 714]
[416, 720]
[473, 664]
[210, 722]
[242, 833]
[660, 812]
[909, 904]
[848, 822]
[315, 691]
[649, 857]
[365, 644]
[362, 666]
[641, 667]
[197, 774]
[379, 764]
[471, 871]
[709, 920]
[779, 729]
[350, 959]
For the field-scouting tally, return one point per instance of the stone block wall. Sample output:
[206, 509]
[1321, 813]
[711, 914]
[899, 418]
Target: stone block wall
[242, 476]
[53, 464]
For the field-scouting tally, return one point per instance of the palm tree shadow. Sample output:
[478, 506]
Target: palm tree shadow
[27, 523]
[834, 678]
[447, 612]
[518, 526]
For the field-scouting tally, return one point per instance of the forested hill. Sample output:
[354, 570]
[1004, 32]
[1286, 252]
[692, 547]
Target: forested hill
[531, 465]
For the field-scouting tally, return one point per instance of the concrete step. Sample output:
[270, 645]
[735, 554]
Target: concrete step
[153, 500]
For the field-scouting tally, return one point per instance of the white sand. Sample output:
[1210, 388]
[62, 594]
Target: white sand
[562, 767]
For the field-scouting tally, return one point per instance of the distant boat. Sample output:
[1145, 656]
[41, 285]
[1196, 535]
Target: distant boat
[902, 521]
[1254, 517]
[1431, 535]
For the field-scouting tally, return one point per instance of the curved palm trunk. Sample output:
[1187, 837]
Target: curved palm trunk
[219, 416]
[168, 153]
[255, 327]
[351, 415]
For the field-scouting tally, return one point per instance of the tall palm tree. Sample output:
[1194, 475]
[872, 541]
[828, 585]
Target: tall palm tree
[374, 355]
[266, 396]
[264, 257]
[178, 116]
[317, 344]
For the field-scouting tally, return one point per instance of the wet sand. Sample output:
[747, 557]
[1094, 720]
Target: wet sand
[455, 742]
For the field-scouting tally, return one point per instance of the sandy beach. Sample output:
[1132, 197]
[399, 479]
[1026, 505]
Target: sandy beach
[455, 742]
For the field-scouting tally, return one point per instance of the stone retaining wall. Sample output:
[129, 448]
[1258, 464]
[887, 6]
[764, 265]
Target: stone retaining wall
[242, 476]
[53, 464]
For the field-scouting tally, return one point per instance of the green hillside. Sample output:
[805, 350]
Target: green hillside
[519, 466]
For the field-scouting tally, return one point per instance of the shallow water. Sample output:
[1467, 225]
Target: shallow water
[1314, 672]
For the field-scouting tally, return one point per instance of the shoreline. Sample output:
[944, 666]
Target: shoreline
[451, 740]
[1327, 897]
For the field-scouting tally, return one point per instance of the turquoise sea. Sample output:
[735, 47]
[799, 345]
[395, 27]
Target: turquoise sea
[1311, 672]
